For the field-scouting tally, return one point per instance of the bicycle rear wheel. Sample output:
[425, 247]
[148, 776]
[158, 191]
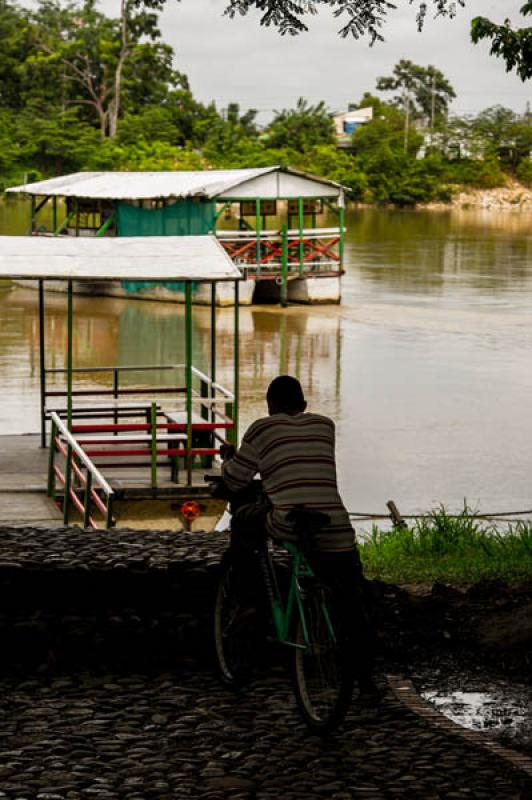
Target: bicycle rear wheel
[233, 644]
[323, 668]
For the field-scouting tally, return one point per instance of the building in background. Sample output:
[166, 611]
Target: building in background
[346, 123]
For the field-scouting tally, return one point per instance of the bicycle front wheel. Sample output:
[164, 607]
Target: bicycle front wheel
[323, 669]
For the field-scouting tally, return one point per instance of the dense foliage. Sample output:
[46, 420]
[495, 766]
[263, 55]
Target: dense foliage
[63, 109]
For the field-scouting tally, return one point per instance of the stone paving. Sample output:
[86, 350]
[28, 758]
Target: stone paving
[137, 737]
[82, 613]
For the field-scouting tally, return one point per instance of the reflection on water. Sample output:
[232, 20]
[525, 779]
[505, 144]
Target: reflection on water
[425, 366]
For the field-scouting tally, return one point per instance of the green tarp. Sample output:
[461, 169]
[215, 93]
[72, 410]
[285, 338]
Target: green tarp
[183, 218]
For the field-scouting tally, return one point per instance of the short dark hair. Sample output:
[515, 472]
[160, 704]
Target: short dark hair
[285, 392]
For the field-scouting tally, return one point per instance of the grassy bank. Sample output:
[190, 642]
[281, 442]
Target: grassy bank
[459, 550]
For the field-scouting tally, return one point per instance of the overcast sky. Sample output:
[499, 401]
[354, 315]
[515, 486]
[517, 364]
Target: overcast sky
[237, 60]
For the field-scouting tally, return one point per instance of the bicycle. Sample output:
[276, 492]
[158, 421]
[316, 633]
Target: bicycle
[307, 618]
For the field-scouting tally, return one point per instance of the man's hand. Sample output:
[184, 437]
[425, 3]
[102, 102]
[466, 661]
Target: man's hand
[227, 451]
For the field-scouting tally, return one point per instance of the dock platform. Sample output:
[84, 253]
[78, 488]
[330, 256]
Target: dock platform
[24, 501]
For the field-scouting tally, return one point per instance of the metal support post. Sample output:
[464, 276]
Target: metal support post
[284, 266]
[87, 501]
[69, 354]
[109, 518]
[301, 219]
[68, 483]
[213, 350]
[153, 430]
[257, 229]
[236, 358]
[51, 461]
[42, 365]
[106, 225]
[188, 376]
[341, 221]
[54, 213]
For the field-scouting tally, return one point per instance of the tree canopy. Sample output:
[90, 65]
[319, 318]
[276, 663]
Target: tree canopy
[513, 45]
[427, 88]
[360, 17]
[58, 68]
[367, 17]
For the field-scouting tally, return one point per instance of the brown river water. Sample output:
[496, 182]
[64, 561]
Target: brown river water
[425, 366]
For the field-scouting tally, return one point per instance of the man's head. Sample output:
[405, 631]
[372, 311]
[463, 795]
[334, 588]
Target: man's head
[285, 396]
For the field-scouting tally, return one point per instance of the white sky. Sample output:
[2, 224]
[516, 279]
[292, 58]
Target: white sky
[237, 60]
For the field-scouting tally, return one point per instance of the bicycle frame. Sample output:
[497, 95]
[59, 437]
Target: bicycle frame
[283, 614]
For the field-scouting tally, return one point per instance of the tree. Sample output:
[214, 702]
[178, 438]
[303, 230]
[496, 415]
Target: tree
[94, 52]
[363, 16]
[426, 88]
[301, 127]
[513, 45]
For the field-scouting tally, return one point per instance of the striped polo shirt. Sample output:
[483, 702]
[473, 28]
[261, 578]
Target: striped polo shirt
[294, 455]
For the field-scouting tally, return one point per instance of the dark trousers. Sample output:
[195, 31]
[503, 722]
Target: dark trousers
[341, 571]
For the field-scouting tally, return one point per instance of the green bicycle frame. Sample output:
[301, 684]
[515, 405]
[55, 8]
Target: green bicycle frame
[282, 617]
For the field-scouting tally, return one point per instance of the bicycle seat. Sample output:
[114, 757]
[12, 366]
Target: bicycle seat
[307, 520]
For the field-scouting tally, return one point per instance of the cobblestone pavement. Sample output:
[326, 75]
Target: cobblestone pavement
[137, 737]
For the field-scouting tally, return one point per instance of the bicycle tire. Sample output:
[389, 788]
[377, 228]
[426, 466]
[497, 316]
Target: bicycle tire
[232, 651]
[323, 672]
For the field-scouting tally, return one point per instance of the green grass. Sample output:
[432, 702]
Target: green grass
[459, 550]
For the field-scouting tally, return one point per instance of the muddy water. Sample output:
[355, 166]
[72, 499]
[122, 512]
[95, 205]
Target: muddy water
[475, 698]
[425, 366]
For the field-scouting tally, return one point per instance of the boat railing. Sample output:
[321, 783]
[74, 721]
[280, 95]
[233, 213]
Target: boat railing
[300, 251]
[209, 393]
[84, 486]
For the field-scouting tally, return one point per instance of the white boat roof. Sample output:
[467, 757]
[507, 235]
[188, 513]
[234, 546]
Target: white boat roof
[150, 258]
[266, 182]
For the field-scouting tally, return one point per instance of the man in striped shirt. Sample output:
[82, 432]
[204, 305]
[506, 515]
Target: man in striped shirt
[294, 453]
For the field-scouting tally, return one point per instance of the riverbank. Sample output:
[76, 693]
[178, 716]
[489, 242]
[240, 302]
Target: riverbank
[458, 549]
[513, 196]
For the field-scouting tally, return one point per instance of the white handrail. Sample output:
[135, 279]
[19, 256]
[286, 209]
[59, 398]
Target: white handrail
[78, 450]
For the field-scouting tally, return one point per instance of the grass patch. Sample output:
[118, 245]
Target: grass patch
[458, 550]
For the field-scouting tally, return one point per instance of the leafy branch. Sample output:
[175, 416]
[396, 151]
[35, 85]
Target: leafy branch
[363, 16]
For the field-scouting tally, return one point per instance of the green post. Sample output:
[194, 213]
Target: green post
[284, 266]
[153, 430]
[51, 461]
[69, 355]
[301, 219]
[188, 375]
[341, 221]
[42, 365]
[68, 481]
[206, 461]
[236, 358]
[109, 518]
[107, 224]
[87, 501]
[54, 213]
[213, 349]
[257, 229]
[76, 202]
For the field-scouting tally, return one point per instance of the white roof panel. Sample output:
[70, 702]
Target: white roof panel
[151, 185]
[150, 258]
[141, 185]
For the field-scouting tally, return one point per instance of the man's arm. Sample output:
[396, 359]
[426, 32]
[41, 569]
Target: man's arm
[241, 468]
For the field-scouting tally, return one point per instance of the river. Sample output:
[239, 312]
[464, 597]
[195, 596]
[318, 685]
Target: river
[425, 366]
